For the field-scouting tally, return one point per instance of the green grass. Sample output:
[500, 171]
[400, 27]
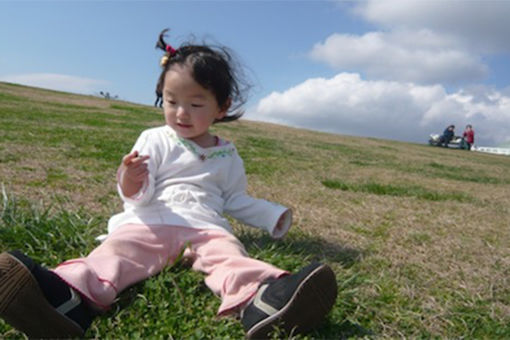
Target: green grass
[417, 236]
[397, 190]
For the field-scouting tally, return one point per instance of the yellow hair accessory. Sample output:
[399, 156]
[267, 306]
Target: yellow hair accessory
[164, 60]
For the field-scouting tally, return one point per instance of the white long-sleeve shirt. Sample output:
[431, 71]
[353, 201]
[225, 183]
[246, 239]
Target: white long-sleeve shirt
[191, 186]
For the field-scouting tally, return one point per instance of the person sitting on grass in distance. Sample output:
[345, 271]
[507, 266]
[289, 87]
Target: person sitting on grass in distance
[447, 136]
[176, 183]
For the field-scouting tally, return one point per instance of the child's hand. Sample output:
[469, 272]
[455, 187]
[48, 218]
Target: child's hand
[132, 172]
[283, 224]
[280, 223]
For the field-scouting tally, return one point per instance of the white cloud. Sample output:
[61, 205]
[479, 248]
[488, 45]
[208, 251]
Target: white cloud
[484, 25]
[420, 47]
[417, 56]
[59, 82]
[347, 104]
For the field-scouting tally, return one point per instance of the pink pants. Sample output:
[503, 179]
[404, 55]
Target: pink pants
[135, 252]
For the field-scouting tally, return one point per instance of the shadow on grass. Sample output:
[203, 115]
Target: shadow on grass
[343, 330]
[300, 245]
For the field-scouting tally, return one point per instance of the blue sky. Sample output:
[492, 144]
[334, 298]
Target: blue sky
[391, 69]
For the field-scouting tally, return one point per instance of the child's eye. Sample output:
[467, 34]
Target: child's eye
[197, 105]
[171, 102]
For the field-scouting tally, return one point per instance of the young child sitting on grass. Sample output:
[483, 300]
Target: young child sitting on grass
[176, 184]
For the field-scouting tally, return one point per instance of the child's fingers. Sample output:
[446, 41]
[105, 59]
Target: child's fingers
[138, 161]
[140, 169]
[141, 175]
[127, 158]
[141, 159]
[134, 159]
[136, 172]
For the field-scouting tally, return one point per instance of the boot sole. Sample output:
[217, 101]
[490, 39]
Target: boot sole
[306, 309]
[24, 307]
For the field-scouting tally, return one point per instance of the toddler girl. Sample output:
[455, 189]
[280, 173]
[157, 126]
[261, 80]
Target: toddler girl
[176, 184]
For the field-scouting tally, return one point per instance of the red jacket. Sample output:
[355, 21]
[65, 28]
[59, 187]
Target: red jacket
[469, 136]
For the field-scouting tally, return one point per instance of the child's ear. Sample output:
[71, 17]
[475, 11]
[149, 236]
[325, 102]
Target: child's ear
[223, 110]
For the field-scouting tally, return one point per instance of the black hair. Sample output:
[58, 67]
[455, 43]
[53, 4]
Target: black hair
[214, 68]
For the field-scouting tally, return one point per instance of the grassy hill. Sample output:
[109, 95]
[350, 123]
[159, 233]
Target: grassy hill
[418, 236]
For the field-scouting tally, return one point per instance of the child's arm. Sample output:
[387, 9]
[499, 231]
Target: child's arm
[272, 217]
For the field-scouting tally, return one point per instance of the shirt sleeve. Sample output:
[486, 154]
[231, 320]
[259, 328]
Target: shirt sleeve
[254, 212]
[145, 146]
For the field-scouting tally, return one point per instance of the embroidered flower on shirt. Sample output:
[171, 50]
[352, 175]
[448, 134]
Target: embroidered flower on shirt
[221, 153]
[201, 155]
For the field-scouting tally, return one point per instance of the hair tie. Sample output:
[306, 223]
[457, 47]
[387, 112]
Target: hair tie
[170, 50]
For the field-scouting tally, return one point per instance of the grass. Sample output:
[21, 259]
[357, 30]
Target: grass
[417, 236]
[397, 190]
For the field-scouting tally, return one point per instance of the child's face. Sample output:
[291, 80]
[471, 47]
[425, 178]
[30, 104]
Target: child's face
[189, 108]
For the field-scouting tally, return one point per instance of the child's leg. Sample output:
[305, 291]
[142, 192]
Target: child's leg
[265, 295]
[41, 302]
[231, 274]
[131, 254]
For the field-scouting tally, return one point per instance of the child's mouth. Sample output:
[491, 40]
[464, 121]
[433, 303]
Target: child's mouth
[185, 126]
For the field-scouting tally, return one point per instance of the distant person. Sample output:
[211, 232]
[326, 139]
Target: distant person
[176, 183]
[468, 137]
[159, 99]
[447, 136]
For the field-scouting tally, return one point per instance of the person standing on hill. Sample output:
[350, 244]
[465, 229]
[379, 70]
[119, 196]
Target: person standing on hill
[159, 99]
[468, 137]
[176, 183]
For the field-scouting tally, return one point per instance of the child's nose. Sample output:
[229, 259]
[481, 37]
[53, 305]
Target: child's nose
[181, 111]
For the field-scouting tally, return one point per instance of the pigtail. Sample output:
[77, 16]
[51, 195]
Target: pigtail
[163, 62]
[161, 44]
[169, 50]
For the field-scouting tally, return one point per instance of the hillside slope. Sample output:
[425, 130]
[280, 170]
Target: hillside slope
[418, 236]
